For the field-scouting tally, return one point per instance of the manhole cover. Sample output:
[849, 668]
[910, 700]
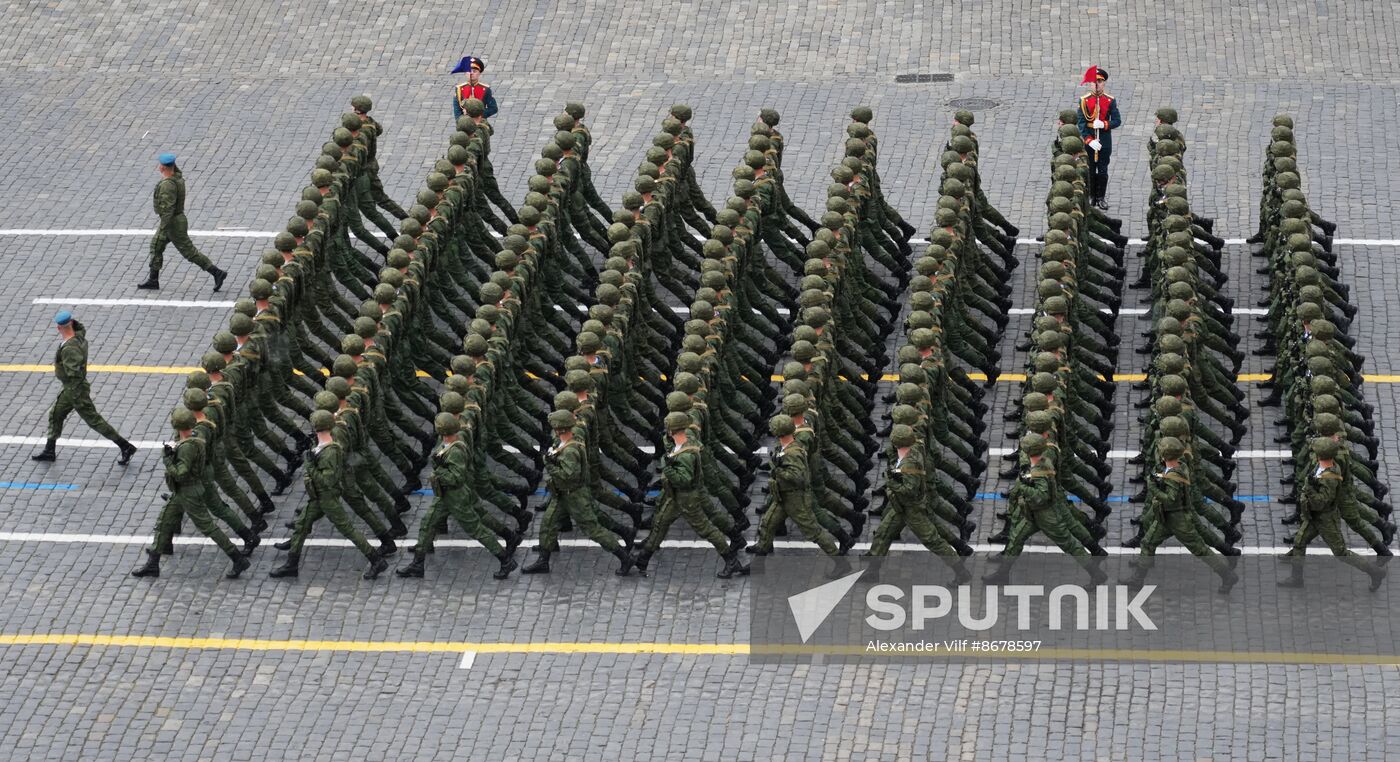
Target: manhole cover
[905, 79]
[973, 104]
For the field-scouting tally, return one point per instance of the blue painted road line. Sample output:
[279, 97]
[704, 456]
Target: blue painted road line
[35, 485]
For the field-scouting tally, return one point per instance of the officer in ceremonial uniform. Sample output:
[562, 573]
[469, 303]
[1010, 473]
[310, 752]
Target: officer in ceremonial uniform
[472, 88]
[1098, 118]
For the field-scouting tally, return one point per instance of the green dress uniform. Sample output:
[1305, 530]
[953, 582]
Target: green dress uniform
[1170, 514]
[566, 474]
[1319, 499]
[1036, 507]
[908, 506]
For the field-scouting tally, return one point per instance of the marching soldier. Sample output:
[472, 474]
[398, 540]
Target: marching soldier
[1098, 118]
[909, 502]
[70, 367]
[184, 475]
[325, 475]
[454, 496]
[173, 227]
[683, 494]
[1170, 514]
[566, 470]
[791, 493]
[361, 105]
[1320, 504]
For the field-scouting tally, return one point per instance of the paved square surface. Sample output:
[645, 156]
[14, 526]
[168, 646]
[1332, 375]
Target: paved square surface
[99, 665]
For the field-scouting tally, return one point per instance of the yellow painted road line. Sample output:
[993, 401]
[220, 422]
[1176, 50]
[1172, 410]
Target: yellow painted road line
[671, 649]
[1383, 378]
[255, 644]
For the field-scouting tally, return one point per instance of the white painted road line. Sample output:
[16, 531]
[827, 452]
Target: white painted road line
[148, 232]
[134, 303]
[80, 232]
[903, 547]
[67, 442]
[678, 309]
[1142, 311]
[468, 659]
[993, 452]
[1125, 454]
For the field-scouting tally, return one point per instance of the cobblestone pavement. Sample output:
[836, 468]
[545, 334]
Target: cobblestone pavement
[245, 94]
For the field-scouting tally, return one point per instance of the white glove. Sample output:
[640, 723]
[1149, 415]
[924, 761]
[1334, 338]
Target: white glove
[1098, 124]
[1095, 144]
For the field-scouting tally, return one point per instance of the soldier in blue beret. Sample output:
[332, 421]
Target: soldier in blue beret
[173, 227]
[70, 367]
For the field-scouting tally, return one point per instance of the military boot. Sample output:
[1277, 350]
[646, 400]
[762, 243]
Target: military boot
[288, 567]
[377, 565]
[538, 566]
[414, 569]
[219, 276]
[240, 565]
[250, 541]
[282, 480]
[386, 545]
[125, 450]
[46, 455]
[152, 283]
[508, 564]
[625, 562]
[732, 565]
[1295, 571]
[149, 569]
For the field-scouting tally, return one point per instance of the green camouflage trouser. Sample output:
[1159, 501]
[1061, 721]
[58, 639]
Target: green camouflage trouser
[584, 515]
[77, 397]
[1055, 523]
[711, 525]
[333, 509]
[463, 507]
[177, 232]
[190, 501]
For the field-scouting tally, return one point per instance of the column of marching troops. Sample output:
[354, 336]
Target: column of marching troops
[1066, 409]
[552, 371]
[824, 434]
[1317, 377]
[1194, 360]
[961, 296]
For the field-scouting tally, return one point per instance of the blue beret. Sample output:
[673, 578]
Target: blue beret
[166, 158]
[63, 318]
